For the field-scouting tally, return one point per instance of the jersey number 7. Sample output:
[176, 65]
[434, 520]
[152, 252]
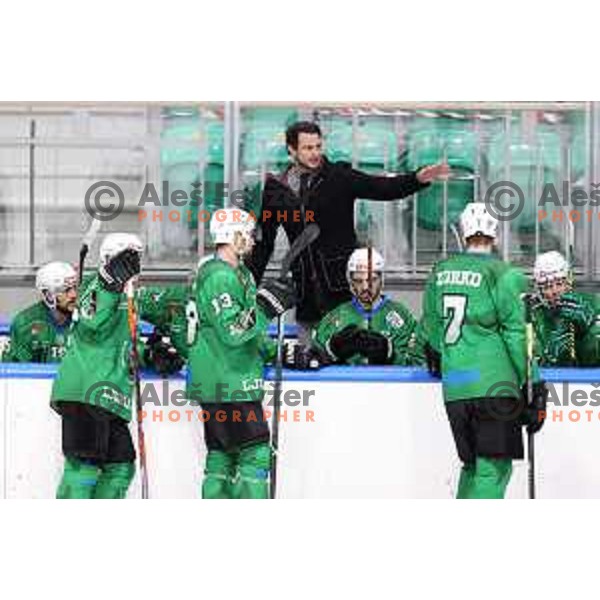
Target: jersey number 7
[455, 307]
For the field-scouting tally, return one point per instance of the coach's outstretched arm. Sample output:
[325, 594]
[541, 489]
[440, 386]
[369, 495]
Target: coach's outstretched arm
[376, 187]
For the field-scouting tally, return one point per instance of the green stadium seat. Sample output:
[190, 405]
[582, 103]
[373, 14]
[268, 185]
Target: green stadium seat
[429, 141]
[263, 148]
[533, 163]
[181, 166]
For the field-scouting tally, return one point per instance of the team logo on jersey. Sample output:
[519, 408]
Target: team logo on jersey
[37, 328]
[252, 384]
[106, 393]
[393, 319]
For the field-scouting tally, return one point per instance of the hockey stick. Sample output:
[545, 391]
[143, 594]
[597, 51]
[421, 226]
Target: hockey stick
[571, 285]
[88, 240]
[309, 234]
[370, 282]
[530, 435]
[276, 406]
[132, 319]
[307, 237]
[571, 259]
[457, 237]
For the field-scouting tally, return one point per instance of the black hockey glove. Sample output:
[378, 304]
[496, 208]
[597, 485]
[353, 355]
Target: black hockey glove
[160, 355]
[534, 414]
[301, 358]
[375, 346]
[533, 302]
[345, 343]
[120, 269]
[276, 296]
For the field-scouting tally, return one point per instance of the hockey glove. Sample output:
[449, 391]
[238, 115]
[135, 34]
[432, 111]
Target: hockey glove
[161, 355]
[558, 347]
[533, 302]
[120, 269]
[534, 414]
[277, 296]
[574, 308]
[301, 358]
[375, 347]
[345, 343]
[434, 361]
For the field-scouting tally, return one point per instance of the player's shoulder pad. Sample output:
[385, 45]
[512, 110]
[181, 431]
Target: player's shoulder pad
[214, 269]
[449, 260]
[508, 274]
[34, 312]
[438, 266]
[32, 319]
[335, 313]
[398, 306]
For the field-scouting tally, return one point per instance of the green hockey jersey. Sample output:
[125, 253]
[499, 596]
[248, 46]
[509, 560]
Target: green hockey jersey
[228, 353]
[474, 316]
[36, 337]
[167, 308]
[388, 317]
[561, 342]
[96, 368]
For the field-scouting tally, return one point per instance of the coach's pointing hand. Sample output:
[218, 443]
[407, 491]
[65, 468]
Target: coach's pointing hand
[433, 172]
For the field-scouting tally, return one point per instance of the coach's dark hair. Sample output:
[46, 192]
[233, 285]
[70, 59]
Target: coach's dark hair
[293, 131]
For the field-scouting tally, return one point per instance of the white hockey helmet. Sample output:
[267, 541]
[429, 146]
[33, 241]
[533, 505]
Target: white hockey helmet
[365, 291]
[54, 278]
[114, 243]
[227, 222]
[549, 267]
[475, 219]
[359, 261]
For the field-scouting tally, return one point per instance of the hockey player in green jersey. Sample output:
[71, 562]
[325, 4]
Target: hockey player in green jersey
[566, 322]
[166, 308]
[474, 324]
[92, 389]
[227, 357]
[371, 329]
[39, 333]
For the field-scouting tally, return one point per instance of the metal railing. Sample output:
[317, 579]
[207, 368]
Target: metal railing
[400, 228]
